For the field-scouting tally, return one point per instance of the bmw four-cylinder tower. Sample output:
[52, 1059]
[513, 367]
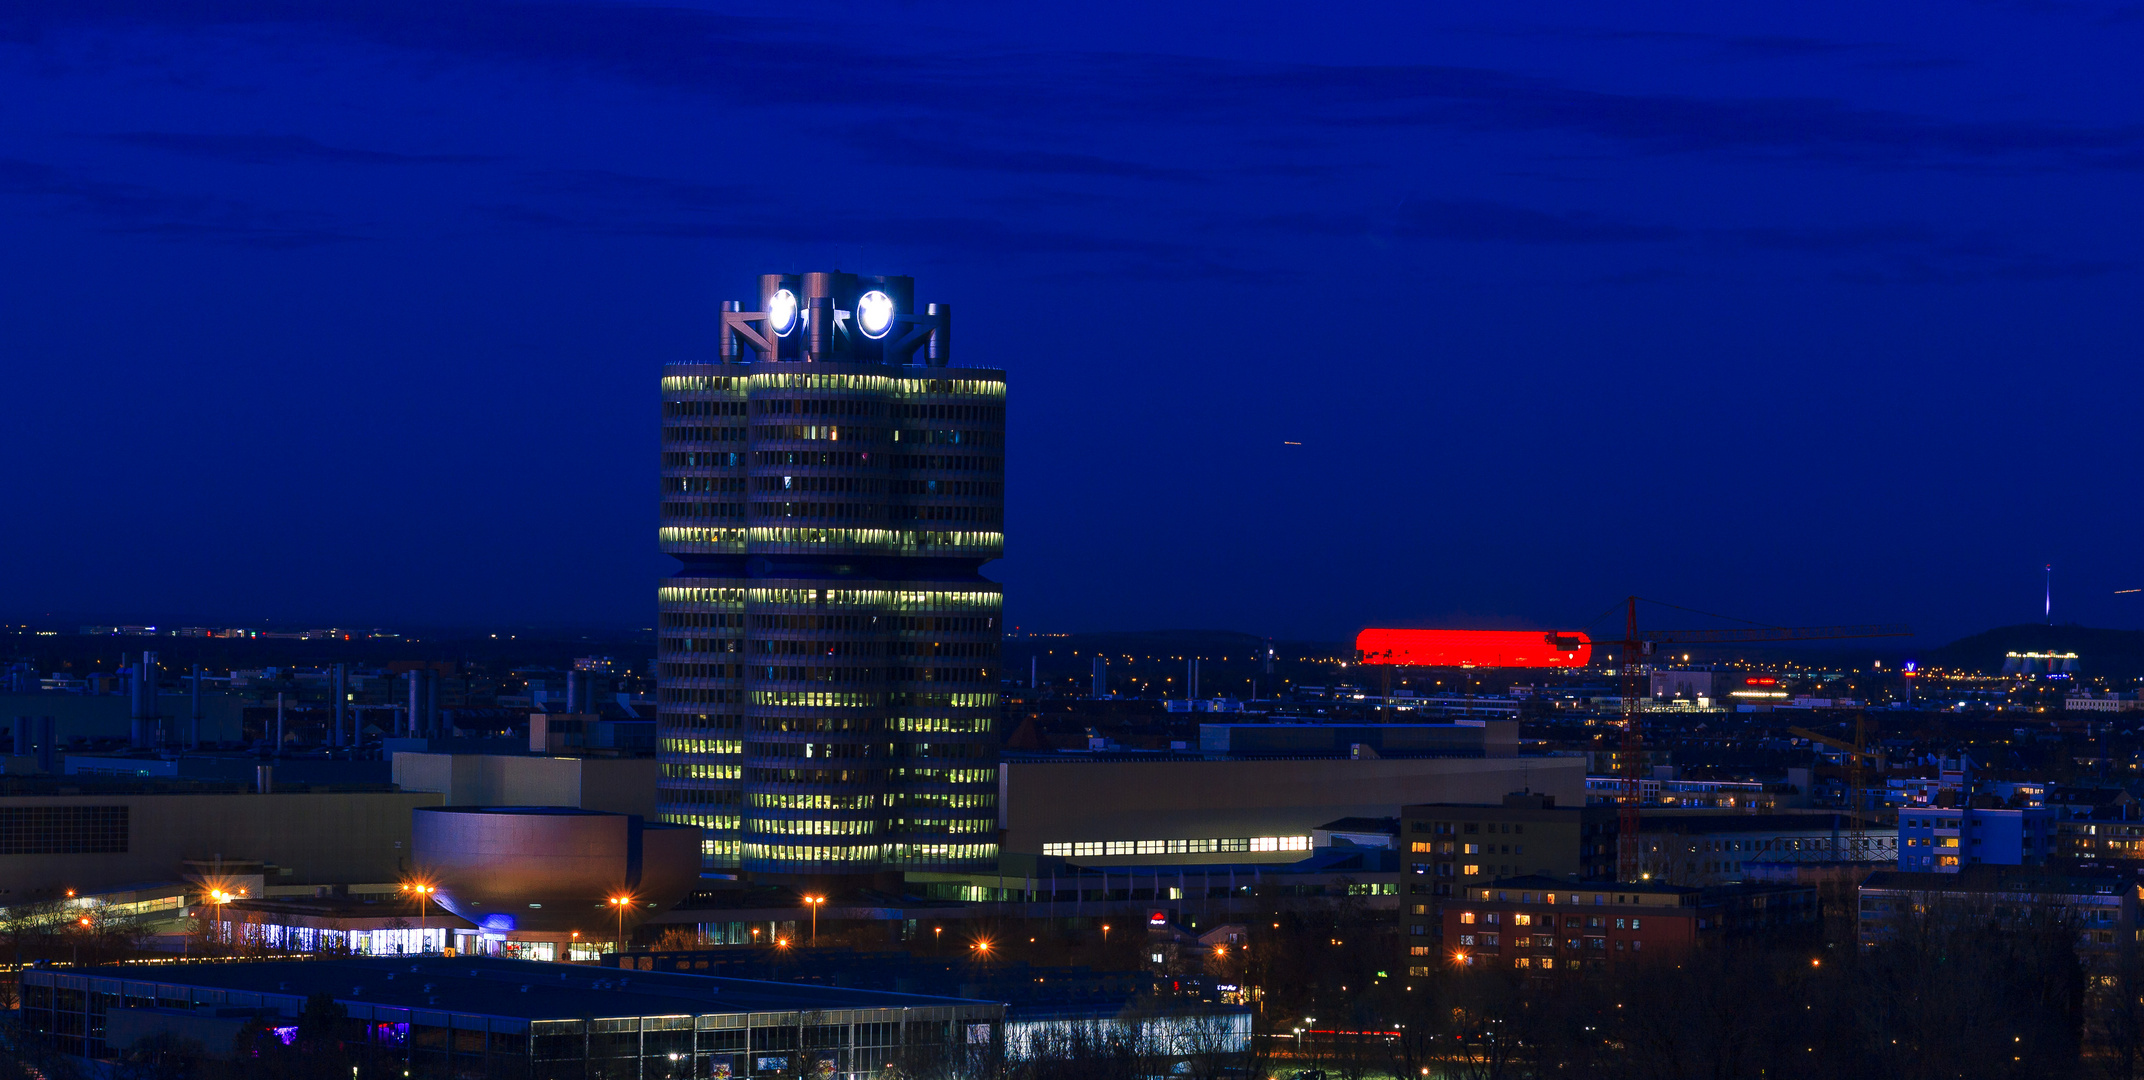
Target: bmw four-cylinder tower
[829, 648]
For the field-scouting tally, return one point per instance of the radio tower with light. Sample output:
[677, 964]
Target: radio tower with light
[828, 649]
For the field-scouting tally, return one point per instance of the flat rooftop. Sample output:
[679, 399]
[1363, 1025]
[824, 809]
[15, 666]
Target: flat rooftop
[517, 989]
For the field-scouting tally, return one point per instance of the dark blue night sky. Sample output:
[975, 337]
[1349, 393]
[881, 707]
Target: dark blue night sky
[355, 313]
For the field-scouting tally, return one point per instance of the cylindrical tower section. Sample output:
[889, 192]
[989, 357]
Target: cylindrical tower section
[700, 710]
[942, 712]
[703, 460]
[815, 742]
[948, 463]
[818, 439]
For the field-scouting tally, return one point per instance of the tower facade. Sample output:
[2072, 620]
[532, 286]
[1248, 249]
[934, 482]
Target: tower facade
[828, 651]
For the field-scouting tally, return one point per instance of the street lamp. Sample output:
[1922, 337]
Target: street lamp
[813, 903]
[621, 902]
[218, 898]
[423, 891]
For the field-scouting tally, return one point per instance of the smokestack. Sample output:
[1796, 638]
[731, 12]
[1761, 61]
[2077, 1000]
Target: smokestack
[342, 702]
[573, 690]
[134, 738]
[1034, 663]
[279, 723]
[264, 779]
[151, 724]
[416, 701]
[47, 740]
[193, 730]
[1101, 677]
[431, 706]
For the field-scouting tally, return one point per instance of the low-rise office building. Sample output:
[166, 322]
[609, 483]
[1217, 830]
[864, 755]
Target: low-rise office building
[1543, 923]
[1449, 846]
[91, 834]
[441, 1017]
[1944, 840]
[1173, 809]
[2100, 902]
[1711, 848]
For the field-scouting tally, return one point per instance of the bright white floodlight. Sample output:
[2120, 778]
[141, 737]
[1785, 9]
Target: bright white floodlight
[874, 313]
[782, 312]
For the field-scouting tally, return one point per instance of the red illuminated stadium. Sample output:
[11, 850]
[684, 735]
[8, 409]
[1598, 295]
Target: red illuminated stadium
[1475, 648]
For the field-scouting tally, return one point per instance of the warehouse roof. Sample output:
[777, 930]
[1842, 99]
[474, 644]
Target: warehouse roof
[522, 989]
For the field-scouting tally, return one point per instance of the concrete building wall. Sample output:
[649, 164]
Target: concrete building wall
[1086, 800]
[617, 785]
[314, 838]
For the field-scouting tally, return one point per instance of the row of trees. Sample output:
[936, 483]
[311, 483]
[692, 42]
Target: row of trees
[1951, 992]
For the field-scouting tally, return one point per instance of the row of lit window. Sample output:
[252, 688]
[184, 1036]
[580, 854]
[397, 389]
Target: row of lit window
[815, 828]
[1525, 918]
[815, 802]
[699, 534]
[928, 853]
[702, 384]
[723, 822]
[855, 384]
[704, 772]
[935, 699]
[946, 776]
[947, 825]
[1178, 847]
[817, 699]
[948, 599]
[703, 746]
[675, 594]
[802, 853]
[1445, 847]
[898, 599]
[942, 800]
[940, 724]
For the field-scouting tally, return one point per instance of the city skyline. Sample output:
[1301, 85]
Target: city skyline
[1489, 320]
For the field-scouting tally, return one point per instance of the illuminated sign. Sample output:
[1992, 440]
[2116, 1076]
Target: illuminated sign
[1475, 648]
[1763, 681]
[1157, 918]
[782, 312]
[874, 314]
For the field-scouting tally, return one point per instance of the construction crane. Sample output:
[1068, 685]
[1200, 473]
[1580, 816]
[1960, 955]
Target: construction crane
[1855, 752]
[1636, 645]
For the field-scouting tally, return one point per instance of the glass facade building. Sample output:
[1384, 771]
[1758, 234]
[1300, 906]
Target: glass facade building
[523, 1020]
[828, 649]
